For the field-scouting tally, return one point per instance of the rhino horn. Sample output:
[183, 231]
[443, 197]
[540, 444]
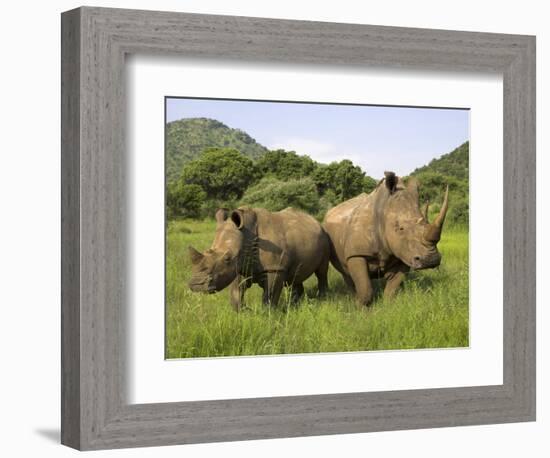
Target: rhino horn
[432, 232]
[196, 256]
[425, 211]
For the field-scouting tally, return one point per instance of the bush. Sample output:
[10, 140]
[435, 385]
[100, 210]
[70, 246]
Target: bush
[184, 200]
[326, 202]
[458, 211]
[209, 207]
[275, 195]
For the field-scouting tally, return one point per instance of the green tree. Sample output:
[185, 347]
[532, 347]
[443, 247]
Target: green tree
[223, 173]
[184, 200]
[285, 165]
[369, 184]
[343, 178]
[275, 195]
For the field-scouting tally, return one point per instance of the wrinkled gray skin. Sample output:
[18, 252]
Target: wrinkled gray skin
[383, 235]
[257, 246]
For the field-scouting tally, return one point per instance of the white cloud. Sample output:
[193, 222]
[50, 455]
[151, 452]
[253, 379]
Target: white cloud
[325, 153]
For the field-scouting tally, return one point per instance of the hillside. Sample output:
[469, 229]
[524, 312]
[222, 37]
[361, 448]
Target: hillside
[187, 138]
[450, 169]
[237, 160]
[454, 164]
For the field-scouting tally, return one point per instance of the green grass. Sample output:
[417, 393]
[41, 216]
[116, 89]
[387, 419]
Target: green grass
[429, 311]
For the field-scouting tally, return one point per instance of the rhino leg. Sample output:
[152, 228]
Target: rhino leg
[394, 278]
[322, 278]
[236, 292]
[349, 282]
[297, 292]
[272, 285]
[359, 271]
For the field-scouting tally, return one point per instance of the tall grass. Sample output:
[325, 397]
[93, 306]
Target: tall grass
[429, 311]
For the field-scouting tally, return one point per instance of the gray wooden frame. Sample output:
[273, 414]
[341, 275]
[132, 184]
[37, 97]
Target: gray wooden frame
[95, 413]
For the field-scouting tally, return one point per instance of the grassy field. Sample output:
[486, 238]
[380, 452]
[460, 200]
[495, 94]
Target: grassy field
[430, 311]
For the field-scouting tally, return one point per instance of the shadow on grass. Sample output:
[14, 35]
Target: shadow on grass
[338, 290]
[423, 282]
[339, 293]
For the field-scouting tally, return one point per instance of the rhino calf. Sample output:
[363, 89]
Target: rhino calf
[383, 234]
[253, 245]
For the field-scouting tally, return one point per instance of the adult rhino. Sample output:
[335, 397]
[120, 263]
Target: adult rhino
[253, 245]
[383, 234]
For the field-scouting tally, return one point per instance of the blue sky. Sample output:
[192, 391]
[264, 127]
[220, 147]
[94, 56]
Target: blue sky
[376, 138]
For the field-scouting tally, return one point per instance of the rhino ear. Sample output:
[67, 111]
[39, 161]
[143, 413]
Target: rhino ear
[391, 181]
[196, 256]
[221, 215]
[237, 216]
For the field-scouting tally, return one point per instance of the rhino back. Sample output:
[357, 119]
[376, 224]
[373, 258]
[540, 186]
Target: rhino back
[293, 241]
[338, 218]
[353, 227]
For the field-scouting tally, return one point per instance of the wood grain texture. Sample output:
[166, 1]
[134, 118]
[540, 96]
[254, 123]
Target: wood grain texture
[95, 411]
[70, 229]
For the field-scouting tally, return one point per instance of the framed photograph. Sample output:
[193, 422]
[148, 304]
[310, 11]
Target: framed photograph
[277, 228]
[277, 217]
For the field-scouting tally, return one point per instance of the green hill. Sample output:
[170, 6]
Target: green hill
[450, 169]
[187, 138]
[454, 164]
